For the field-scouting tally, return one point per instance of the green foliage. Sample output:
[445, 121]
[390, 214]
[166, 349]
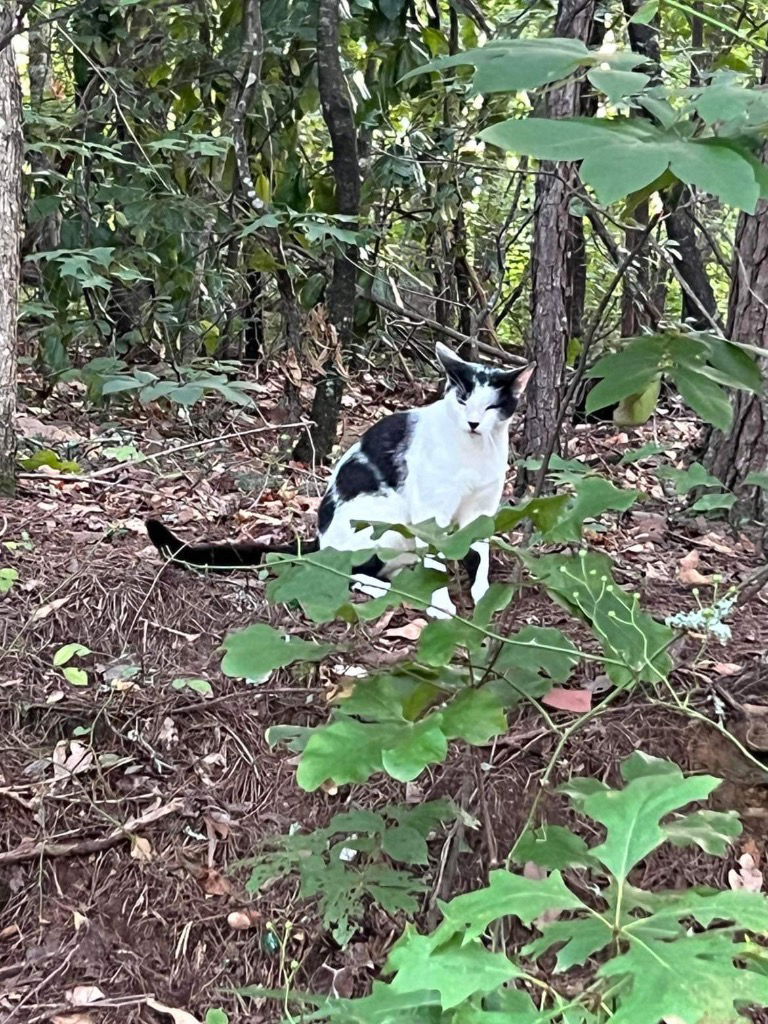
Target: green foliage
[201, 686]
[8, 577]
[698, 364]
[48, 457]
[347, 864]
[252, 653]
[645, 961]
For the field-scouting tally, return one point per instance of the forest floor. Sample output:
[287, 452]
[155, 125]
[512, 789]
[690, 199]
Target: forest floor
[97, 927]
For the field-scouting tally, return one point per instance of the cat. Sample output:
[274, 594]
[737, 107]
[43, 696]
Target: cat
[446, 461]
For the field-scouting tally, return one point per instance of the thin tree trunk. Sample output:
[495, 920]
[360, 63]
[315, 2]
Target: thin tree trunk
[340, 119]
[557, 244]
[11, 152]
[731, 458]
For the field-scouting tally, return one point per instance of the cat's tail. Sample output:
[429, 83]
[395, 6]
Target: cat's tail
[219, 556]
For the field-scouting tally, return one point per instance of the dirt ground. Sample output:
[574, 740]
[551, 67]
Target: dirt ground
[82, 906]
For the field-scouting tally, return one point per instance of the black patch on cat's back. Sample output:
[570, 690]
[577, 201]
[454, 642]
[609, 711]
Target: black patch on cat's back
[355, 477]
[384, 447]
[325, 512]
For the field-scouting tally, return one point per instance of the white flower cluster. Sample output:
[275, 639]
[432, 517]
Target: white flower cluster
[707, 620]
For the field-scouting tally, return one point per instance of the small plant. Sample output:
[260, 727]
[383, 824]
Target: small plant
[7, 579]
[708, 619]
[637, 957]
[347, 864]
[72, 673]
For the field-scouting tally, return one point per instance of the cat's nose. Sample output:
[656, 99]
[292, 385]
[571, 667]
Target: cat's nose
[473, 426]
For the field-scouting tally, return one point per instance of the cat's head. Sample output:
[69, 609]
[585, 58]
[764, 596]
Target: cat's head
[481, 397]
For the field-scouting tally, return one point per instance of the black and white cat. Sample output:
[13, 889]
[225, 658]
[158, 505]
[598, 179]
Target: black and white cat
[446, 461]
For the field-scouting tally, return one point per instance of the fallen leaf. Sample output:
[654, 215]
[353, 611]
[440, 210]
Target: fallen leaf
[215, 884]
[568, 700]
[141, 849]
[688, 572]
[410, 631]
[178, 1016]
[81, 995]
[748, 877]
[46, 609]
[727, 668]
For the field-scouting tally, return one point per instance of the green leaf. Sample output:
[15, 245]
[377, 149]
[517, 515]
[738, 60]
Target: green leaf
[581, 938]
[637, 409]
[631, 815]
[705, 397]
[456, 970]
[405, 844]
[646, 451]
[687, 479]
[344, 751]
[415, 746]
[76, 676]
[618, 84]
[201, 686]
[47, 457]
[506, 894]
[634, 642]
[474, 715]
[534, 658]
[594, 496]
[216, 1016]
[692, 979]
[711, 502]
[552, 847]
[318, 582]
[713, 831]
[7, 578]
[754, 479]
[645, 14]
[254, 652]
[67, 652]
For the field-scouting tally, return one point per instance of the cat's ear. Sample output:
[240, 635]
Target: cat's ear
[517, 380]
[458, 372]
[447, 359]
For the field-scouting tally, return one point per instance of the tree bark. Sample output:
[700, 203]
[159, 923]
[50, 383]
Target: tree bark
[557, 245]
[340, 119]
[745, 449]
[11, 152]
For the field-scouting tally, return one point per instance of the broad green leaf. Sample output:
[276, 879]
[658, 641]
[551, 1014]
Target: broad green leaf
[687, 479]
[711, 502]
[405, 844]
[216, 1016]
[755, 480]
[553, 847]
[69, 651]
[469, 915]
[253, 652]
[535, 657]
[474, 715]
[594, 496]
[692, 979]
[456, 970]
[415, 746]
[632, 815]
[713, 831]
[637, 409]
[342, 752]
[49, 458]
[742, 908]
[581, 939]
[617, 84]
[645, 14]
[705, 397]
[318, 582]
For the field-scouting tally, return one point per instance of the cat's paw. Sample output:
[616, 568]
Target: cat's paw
[441, 606]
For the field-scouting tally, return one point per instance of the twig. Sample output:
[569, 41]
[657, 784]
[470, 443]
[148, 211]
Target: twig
[449, 332]
[28, 850]
[589, 338]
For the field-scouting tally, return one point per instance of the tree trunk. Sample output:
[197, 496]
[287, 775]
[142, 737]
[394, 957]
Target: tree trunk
[745, 449]
[11, 152]
[340, 119]
[557, 245]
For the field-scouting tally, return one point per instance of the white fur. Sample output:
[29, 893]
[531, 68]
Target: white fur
[455, 474]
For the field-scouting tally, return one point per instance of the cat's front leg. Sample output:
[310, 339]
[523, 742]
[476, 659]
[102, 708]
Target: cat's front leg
[479, 585]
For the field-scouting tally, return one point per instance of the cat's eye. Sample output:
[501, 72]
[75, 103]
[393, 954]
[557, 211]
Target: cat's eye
[489, 407]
